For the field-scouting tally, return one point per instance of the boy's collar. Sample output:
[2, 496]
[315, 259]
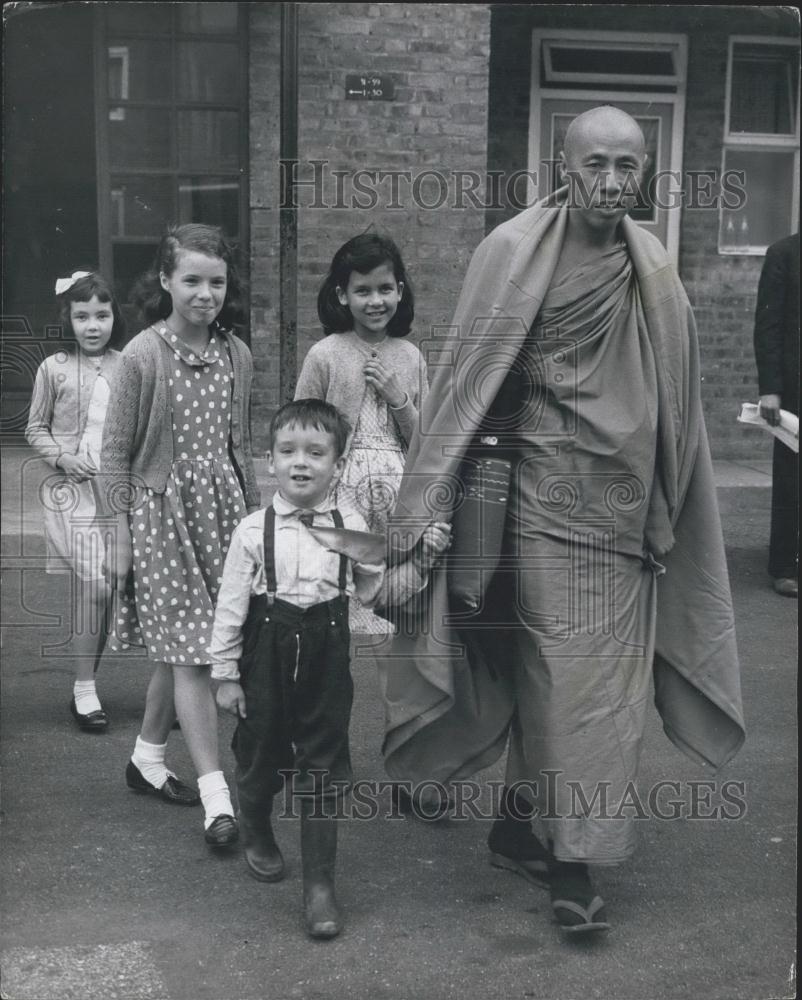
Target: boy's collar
[285, 508]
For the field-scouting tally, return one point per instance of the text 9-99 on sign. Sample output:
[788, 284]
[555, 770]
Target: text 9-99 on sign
[369, 87]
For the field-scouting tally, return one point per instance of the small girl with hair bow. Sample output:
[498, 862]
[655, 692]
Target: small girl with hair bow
[65, 427]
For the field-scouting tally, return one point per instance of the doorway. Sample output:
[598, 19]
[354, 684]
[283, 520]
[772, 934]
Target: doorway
[644, 76]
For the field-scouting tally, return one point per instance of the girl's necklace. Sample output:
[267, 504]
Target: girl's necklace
[371, 346]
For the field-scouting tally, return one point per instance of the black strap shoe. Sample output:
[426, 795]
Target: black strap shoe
[92, 722]
[223, 832]
[173, 790]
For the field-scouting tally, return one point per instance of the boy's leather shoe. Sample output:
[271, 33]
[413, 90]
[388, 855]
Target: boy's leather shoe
[262, 854]
[92, 722]
[172, 790]
[223, 832]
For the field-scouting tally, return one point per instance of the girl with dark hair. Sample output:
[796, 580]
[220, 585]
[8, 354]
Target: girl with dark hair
[177, 452]
[65, 427]
[370, 373]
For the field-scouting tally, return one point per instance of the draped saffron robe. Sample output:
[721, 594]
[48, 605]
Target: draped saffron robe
[449, 714]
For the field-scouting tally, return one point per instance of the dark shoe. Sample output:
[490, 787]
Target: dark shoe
[172, 790]
[92, 722]
[514, 846]
[262, 854]
[223, 832]
[573, 899]
[431, 808]
[787, 586]
[318, 856]
[519, 851]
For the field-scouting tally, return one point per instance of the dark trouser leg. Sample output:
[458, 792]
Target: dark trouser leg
[262, 742]
[318, 857]
[784, 540]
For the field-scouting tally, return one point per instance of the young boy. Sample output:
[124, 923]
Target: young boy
[281, 647]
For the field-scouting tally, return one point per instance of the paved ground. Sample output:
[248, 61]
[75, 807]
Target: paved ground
[109, 895]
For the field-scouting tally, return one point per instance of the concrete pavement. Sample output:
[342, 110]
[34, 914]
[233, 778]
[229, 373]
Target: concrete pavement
[108, 894]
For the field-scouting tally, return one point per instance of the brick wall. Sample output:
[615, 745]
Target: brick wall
[721, 288]
[264, 84]
[438, 58]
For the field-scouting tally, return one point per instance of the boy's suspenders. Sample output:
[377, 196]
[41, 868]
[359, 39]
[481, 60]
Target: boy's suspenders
[270, 554]
[338, 523]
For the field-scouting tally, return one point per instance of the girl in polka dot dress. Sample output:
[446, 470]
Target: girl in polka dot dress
[178, 470]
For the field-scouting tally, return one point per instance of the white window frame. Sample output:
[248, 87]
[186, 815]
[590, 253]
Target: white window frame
[602, 39]
[758, 142]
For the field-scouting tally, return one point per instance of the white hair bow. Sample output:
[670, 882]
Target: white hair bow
[65, 284]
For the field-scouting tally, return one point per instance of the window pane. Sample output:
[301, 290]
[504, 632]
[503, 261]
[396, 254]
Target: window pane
[762, 94]
[139, 137]
[213, 200]
[149, 18]
[207, 18]
[208, 71]
[208, 140]
[615, 62]
[141, 206]
[140, 71]
[766, 216]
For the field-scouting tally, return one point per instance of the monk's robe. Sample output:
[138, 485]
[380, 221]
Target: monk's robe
[583, 594]
[612, 484]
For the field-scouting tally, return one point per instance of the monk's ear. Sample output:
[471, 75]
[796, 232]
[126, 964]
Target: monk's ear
[563, 167]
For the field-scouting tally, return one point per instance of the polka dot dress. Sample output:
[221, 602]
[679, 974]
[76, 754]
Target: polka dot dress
[180, 537]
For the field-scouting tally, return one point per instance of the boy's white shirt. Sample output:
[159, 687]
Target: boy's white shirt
[306, 574]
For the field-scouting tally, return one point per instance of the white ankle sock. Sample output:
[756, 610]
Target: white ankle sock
[149, 758]
[86, 699]
[214, 796]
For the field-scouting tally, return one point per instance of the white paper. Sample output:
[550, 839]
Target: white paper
[787, 431]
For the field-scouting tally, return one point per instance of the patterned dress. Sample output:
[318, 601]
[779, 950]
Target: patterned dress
[180, 537]
[369, 484]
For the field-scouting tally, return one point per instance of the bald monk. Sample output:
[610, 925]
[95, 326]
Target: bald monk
[612, 572]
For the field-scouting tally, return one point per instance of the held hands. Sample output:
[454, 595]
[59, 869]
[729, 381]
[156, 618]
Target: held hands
[231, 698]
[385, 382]
[769, 409]
[77, 467]
[435, 540]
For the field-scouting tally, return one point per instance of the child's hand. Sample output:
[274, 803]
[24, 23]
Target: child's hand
[119, 559]
[77, 467]
[435, 539]
[384, 382]
[231, 698]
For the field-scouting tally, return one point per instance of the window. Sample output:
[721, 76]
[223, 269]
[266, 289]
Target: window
[172, 127]
[616, 62]
[761, 143]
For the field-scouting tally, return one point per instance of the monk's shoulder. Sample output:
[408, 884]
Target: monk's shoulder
[510, 233]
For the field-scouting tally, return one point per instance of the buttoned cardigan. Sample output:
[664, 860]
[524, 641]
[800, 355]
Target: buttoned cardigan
[60, 402]
[332, 370]
[138, 434]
